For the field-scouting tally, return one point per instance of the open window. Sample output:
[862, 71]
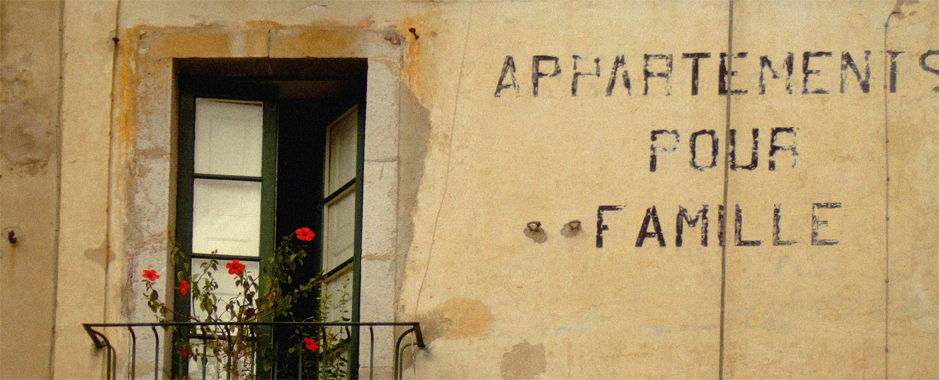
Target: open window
[266, 146]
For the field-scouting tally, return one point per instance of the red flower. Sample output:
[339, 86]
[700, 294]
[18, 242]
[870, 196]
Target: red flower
[150, 275]
[183, 287]
[235, 267]
[311, 344]
[305, 234]
[184, 353]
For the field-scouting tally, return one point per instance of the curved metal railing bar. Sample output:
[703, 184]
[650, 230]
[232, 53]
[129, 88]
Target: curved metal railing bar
[100, 340]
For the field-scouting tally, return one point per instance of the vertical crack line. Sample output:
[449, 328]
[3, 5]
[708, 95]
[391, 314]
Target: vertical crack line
[115, 97]
[398, 267]
[887, 203]
[446, 178]
[56, 243]
[730, 68]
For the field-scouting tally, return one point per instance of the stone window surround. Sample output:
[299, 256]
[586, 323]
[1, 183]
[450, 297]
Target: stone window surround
[144, 157]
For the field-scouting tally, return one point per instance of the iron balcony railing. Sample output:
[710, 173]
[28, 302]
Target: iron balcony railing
[257, 332]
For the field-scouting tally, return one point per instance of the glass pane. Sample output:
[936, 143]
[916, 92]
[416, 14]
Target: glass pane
[337, 304]
[226, 217]
[210, 358]
[343, 143]
[227, 292]
[228, 138]
[334, 364]
[340, 230]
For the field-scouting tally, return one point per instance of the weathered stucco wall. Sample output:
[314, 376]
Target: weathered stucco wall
[805, 291]
[485, 116]
[89, 266]
[29, 130]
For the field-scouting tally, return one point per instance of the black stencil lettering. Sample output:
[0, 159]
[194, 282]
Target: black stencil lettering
[683, 218]
[653, 158]
[694, 150]
[721, 225]
[578, 74]
[725, 74]
[765, 63]
[922, 63]
[666, 73]
[508, 69]
[754, 157]
[774, 147]
[619, 62]
[848, 62]
[776, 239]
[893, 69]
[652, 215]
[738, 232]
[536, 73]
[695, 57]
[817, 223]
[806, 72]
[603, 227]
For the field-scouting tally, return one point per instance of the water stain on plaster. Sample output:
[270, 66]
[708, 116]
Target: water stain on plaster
[458, 318]
[28, 137]
[525, 361]
[420, 74]
[28, 116]
[412, 148]
[98, 255]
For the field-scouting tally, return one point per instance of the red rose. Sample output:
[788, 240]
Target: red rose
[150, 275]
[305, 234]
[235, 267]
[183, 287]
[311, 344]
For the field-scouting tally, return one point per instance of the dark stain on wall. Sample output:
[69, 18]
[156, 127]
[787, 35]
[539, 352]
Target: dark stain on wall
[413, 136]
[525, 361]
[28, 114]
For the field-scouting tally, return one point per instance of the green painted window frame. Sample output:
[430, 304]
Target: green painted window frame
[190, 88]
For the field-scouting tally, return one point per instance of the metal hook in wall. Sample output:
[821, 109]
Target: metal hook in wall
[12, 234]
[571, 229]
[534, 231]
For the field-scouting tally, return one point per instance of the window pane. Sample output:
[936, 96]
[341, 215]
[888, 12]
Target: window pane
[226, 217]
[340, 230]
[228, 138]
[343, 143]
[338, 303]
[227, 291]
[211, 359]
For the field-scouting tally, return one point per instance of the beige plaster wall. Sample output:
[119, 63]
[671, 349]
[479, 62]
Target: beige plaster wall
[465, 171]
[29, 129]
[86, 257]
[497, 304]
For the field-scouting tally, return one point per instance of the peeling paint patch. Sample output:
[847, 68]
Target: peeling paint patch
[29, 137]
[898, 8]
[208, 42]
[525, 361]
[458, 318]
[28, 115]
